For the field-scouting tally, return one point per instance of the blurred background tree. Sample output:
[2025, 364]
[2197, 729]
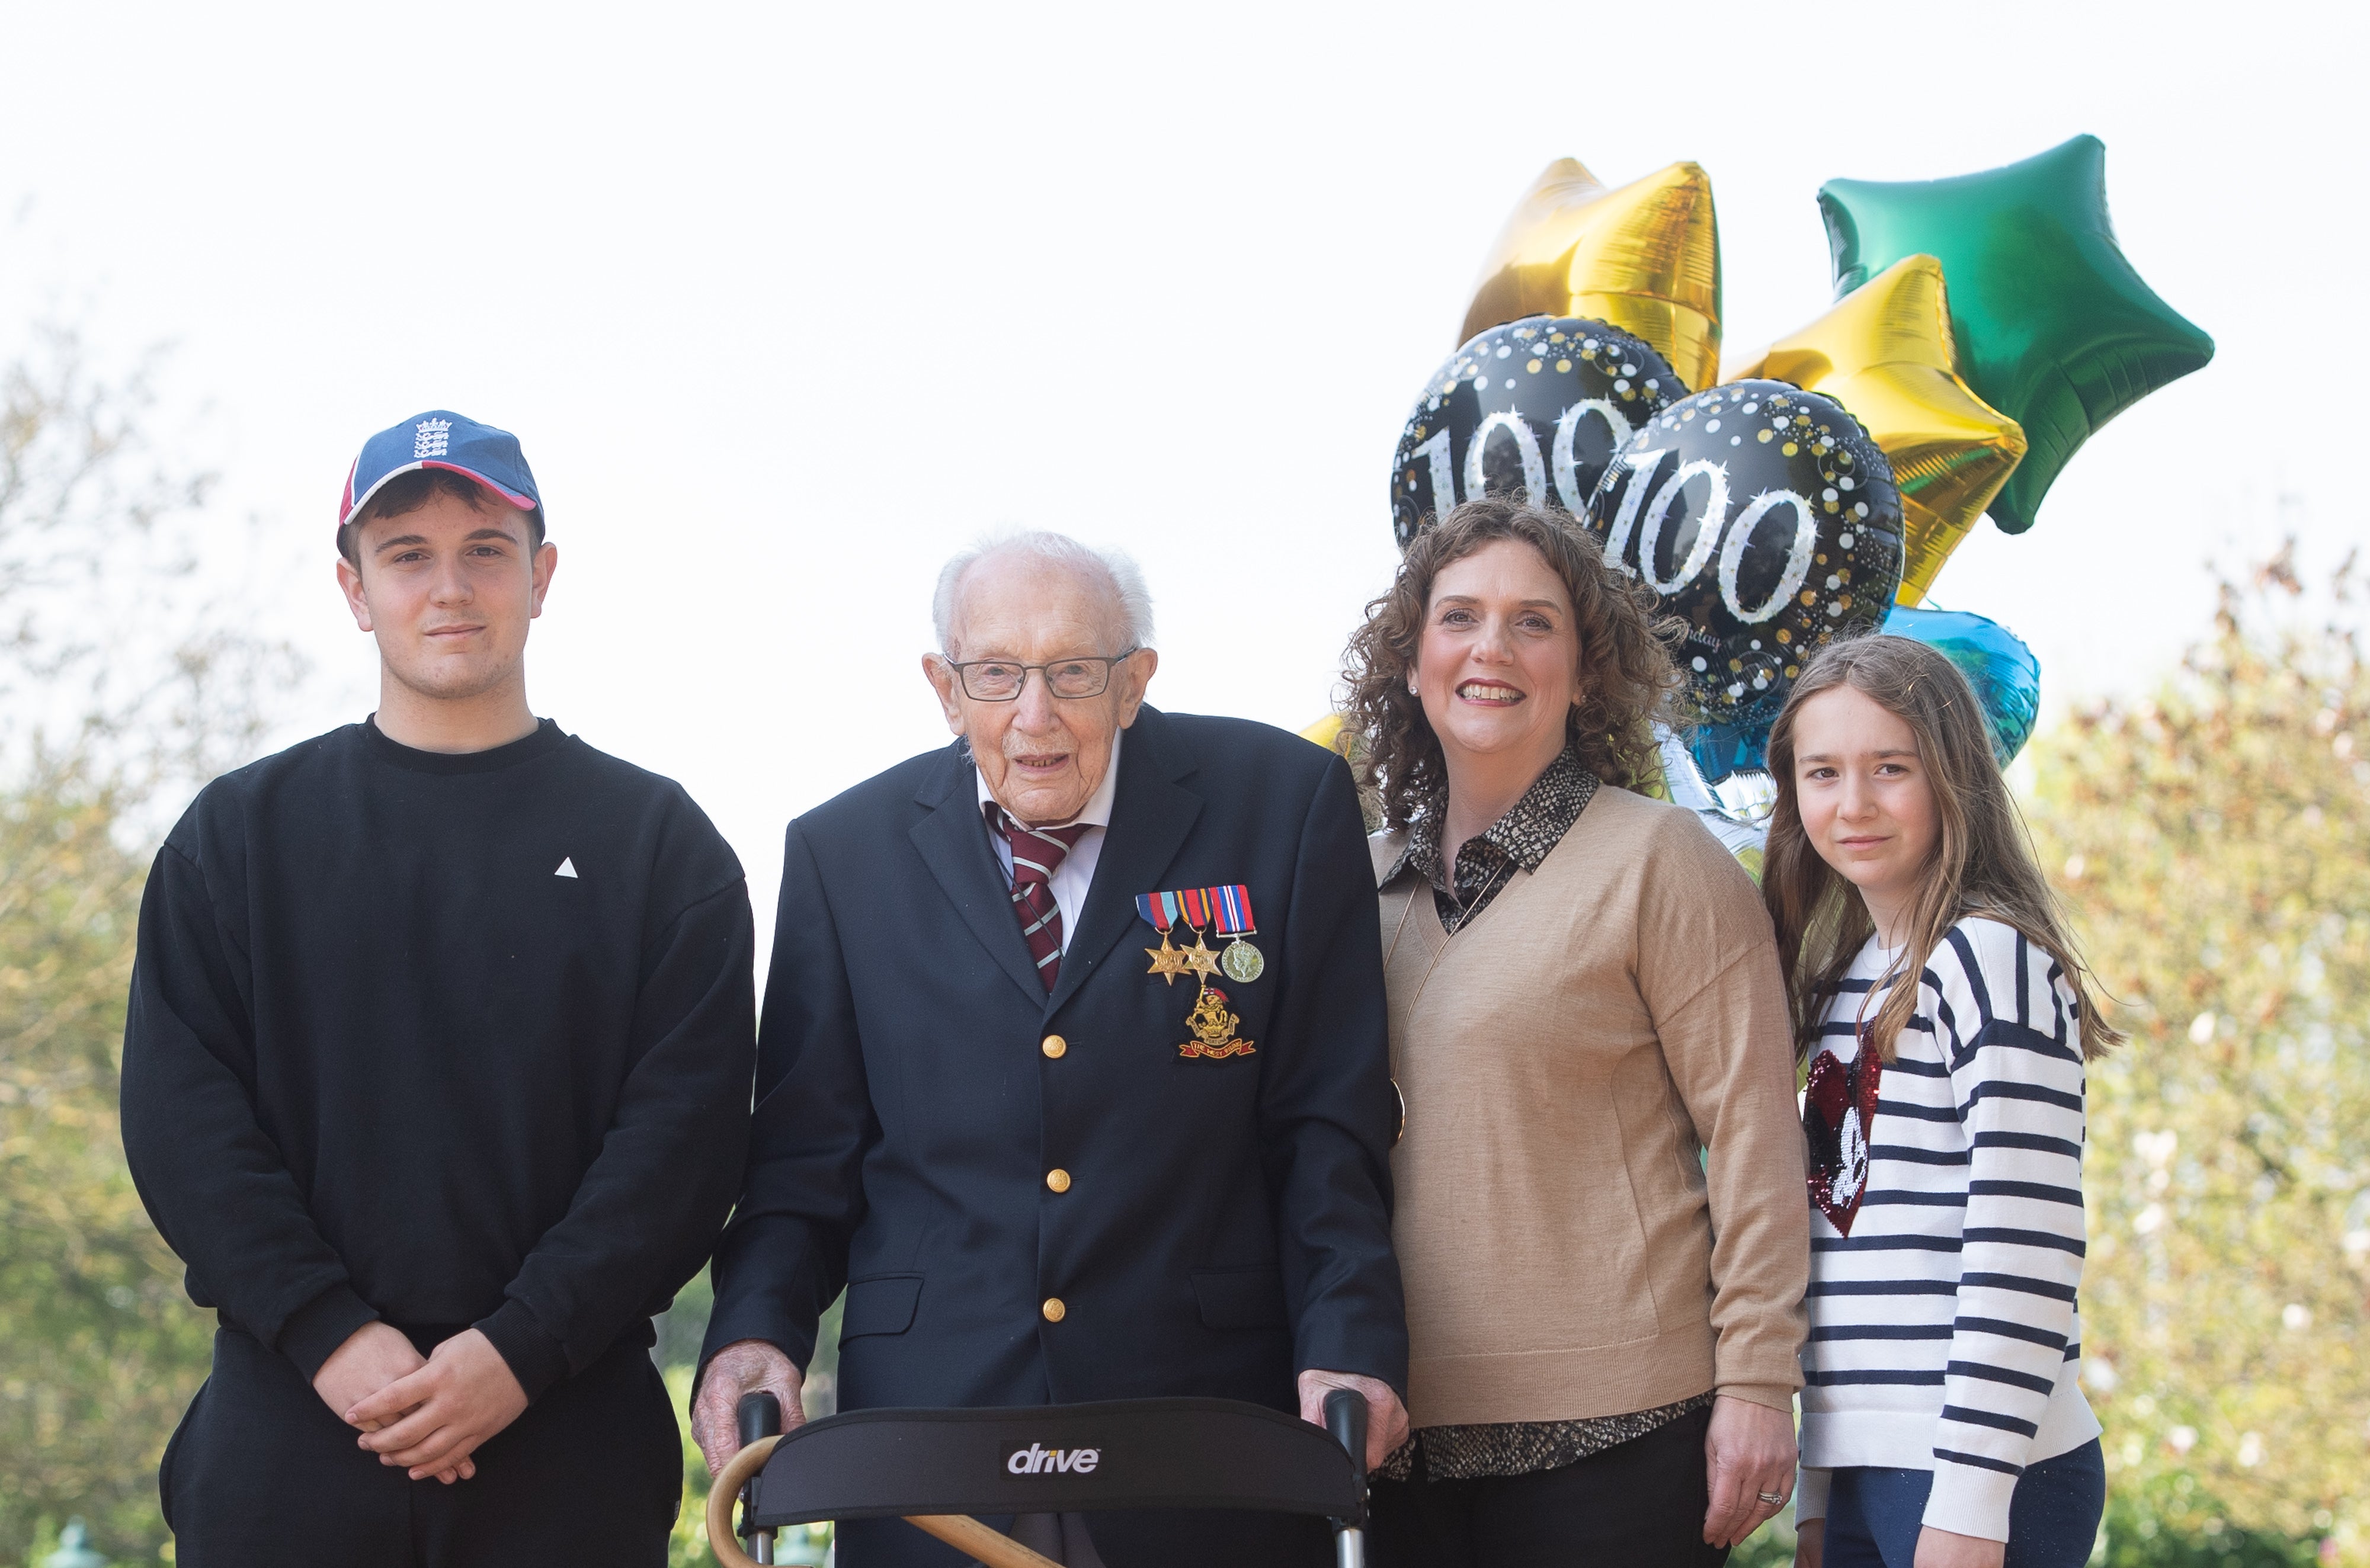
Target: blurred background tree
[119, 689]
[2214, 841]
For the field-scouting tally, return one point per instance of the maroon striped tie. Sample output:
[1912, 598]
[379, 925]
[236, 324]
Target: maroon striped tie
[1036, 853]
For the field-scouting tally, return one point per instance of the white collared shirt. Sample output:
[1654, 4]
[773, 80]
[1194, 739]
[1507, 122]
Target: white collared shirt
[1077, 872]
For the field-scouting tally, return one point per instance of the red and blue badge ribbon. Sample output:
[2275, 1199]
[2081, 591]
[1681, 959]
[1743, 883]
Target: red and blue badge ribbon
[1227, 911]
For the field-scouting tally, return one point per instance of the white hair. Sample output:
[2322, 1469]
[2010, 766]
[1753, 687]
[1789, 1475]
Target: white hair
[1129, 595]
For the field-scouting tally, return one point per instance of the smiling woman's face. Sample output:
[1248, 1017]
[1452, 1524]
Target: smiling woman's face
[1499, 665]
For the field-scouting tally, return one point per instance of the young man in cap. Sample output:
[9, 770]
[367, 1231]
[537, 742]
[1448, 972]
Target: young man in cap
[436, 1076]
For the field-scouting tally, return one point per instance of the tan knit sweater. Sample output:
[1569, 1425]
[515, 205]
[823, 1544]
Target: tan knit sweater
[1564, 1056]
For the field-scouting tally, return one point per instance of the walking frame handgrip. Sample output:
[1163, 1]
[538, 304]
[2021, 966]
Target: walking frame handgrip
[959, 1531]
[757, 1415]
[1345, 1418]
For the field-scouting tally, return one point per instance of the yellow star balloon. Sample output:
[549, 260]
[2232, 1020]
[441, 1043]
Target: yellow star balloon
[1645, 258]
[1884, 352]
[1325, 732]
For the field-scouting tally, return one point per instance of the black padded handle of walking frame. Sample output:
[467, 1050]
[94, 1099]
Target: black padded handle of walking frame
[1154, 1453]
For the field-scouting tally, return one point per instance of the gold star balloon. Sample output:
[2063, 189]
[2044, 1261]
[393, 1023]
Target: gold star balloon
[1644, 258]
[1884, 352]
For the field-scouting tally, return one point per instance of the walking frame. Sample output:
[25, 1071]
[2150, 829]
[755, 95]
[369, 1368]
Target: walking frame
[937, 1468]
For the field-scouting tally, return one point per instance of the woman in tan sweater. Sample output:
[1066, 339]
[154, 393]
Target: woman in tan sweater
[1584, 998]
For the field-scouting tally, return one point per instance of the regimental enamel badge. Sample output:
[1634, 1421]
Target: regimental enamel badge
[1213, 1028]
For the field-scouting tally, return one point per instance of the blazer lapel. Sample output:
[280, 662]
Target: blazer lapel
[1151, 815]
[953, 842]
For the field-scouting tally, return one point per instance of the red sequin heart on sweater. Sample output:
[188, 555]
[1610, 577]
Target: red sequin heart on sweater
[1839, 1109]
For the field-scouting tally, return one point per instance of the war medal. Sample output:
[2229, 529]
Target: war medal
[1199, 959]
[1227, 910]
[1244, 963]
[1167, 962]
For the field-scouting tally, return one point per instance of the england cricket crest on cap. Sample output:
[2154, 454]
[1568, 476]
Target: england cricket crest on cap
[431, 437]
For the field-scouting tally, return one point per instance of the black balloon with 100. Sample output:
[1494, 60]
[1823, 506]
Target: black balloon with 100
[1534, 408]
[1765, 517]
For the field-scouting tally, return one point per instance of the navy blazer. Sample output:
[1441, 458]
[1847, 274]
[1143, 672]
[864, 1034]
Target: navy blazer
[1227, 1222]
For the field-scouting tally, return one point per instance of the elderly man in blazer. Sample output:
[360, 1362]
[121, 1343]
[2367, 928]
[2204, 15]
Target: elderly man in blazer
[1073, 1067]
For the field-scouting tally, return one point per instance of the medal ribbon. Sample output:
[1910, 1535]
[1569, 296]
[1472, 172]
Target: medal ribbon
[1227, 910]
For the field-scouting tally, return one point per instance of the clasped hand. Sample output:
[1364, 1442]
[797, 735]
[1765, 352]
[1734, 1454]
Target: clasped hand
[429, 1414]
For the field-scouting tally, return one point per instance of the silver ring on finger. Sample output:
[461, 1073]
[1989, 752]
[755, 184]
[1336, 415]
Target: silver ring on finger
[1775, 1499]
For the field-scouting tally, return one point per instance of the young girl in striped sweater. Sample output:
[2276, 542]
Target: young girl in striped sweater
[1946, 1017]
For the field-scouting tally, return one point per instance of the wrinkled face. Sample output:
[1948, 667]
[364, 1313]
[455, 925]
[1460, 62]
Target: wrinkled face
[1866, 800]
[1042, 757]
[448, 592]
[1499, 666]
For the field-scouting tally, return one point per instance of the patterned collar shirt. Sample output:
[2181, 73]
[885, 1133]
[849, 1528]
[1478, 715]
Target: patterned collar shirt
[1523, 838]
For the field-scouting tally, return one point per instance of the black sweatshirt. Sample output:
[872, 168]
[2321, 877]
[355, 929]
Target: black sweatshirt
[444, 1040]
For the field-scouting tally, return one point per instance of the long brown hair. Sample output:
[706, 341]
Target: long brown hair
[1626, 674]
[1982, 863]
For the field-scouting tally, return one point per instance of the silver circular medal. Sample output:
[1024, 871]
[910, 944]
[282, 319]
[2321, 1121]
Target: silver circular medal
[1242, 963]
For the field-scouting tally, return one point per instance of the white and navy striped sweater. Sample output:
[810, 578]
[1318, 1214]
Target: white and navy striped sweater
[1946, 1233]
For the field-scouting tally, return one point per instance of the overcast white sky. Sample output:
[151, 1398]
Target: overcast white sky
[787, 302]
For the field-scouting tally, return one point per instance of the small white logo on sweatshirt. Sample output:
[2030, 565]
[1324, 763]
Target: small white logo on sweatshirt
[566, 867]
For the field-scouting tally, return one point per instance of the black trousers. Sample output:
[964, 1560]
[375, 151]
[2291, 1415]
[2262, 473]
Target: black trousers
[262, 1474]
[1637, 1505]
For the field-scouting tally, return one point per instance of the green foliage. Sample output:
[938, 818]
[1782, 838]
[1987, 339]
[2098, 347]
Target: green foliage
[2215, 839]
[1771, 1546]
[2139, 1537]
[680, 1331]
[99, 1349]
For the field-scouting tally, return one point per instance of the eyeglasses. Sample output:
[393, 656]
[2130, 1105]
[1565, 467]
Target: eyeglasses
[1001, 679]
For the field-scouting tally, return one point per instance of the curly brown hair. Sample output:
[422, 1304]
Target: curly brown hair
[1627, 676]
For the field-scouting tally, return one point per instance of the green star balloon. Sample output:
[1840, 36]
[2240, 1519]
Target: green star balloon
[2054, 327]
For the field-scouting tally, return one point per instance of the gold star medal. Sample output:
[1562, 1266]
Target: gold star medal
[1200, 959]
[1168, 961]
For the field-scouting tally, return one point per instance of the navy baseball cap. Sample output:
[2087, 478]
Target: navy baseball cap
[441, 439]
